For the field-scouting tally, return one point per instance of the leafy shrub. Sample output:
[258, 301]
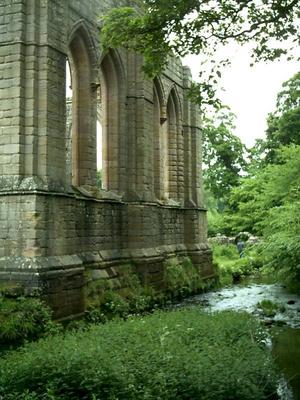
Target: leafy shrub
[240, 269]
[23, 318]
[174, 355]
[215, 223]
[225, 251]
[129, 278]
[281, 247]
[139, 303]
[95, 292]
[256, 260]
[181, 277]
[114, 305]
[270, 308]
[233, 269]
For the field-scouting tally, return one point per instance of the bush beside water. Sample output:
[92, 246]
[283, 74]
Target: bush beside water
[166, 355]
[231, 268]
[270, 308]
[28, 318]
[181, 278]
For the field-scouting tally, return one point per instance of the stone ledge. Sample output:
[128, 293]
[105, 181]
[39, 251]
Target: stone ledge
[62, 280]
[101, 259]
[38, 264]
[15, 186]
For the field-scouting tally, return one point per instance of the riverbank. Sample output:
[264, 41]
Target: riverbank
[213, 330]
[282, 316]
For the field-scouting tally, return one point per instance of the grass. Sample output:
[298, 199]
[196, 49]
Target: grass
[167, 355]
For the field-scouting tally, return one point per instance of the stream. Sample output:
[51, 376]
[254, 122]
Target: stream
[284, 325]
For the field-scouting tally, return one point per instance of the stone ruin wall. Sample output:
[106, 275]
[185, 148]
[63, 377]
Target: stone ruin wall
[58, 232]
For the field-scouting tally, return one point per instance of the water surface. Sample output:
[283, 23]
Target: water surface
[285, 325]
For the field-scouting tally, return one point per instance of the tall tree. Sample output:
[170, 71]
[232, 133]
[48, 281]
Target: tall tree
[284, 123]
[273, 186]
[162, 28]
[223, 156]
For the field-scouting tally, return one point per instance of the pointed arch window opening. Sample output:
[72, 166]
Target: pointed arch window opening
[170, 137]
[69, 118]
[157, 145]
[171, 148]
[108, 115]
[101, 112]
[100, 120]
[82, 161]
[79, 103]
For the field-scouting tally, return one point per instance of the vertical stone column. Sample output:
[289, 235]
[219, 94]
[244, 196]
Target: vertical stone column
[192, 147]
[123, 130]
[195, 216]
[131, 194]
[180, 159]
[140, 133]
[188, 201]
[196, 156]
[12, 57]
[33, 95]
[84, 113]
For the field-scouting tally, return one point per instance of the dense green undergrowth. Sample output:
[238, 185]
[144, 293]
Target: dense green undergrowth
[257, 264]
[181, 278]
[22, 318]
[266, 203]
[231, 268]
[29, 318]
[167, 355]
[270, 308]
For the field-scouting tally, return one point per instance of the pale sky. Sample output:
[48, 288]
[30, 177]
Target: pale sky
[250, 91]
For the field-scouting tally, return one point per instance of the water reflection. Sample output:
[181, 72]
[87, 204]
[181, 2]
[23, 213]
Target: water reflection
[286, 349]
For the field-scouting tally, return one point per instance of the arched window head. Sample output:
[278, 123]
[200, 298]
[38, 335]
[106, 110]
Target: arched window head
[110, 108]
[81, 59]
[159, 120]
[172, 149]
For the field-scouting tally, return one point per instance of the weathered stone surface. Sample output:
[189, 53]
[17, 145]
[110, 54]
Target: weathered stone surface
[54, 222]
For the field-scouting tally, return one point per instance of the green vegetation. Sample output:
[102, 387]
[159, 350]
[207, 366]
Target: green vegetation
[284, 122]
[271, 187]
[231, 268]
[223, 157]
[265, 202]
[167, 355]
[28, 318]
[180, 279]
[159, 29]
[268, 204]
[270, 308]
[22, 318]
